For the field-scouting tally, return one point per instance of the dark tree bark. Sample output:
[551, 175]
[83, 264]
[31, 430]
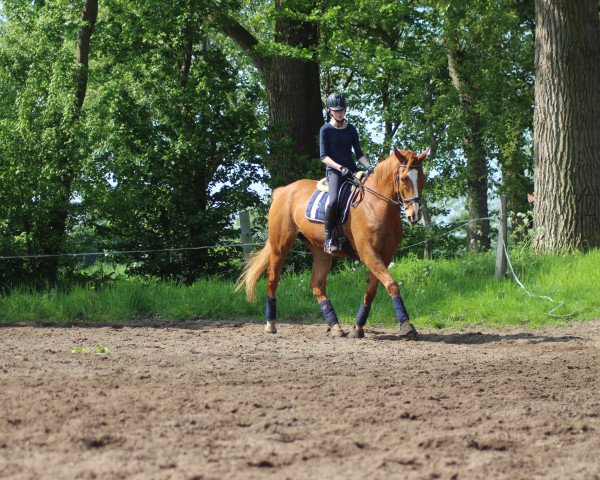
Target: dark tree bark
[428, 247]
[433, 146]
[90, 14]
[478, 232]
[293, 95]
[567, 125]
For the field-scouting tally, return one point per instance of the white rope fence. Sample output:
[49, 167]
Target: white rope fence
[204, 247]
[559, 303]
[458, 226]
[127, 252]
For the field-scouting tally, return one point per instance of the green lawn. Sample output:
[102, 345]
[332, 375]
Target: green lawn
[441, 293]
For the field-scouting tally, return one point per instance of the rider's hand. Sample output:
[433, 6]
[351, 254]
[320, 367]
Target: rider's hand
[344, 171]
[371, 169]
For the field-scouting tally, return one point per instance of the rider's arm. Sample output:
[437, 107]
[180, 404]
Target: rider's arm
[330, 162]
[324, 150]
[364, 162]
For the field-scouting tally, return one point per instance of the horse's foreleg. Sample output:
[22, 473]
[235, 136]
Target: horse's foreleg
[318, 282]
[365, 307]
[380, 271]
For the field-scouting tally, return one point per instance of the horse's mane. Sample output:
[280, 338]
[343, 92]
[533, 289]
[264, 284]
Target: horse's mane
[386, 169]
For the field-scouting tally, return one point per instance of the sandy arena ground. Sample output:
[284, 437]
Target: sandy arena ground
[224, 400]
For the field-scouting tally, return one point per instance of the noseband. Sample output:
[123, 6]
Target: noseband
[401, 202]
[406, 201]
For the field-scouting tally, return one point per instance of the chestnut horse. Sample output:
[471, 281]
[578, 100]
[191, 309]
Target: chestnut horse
[373, 229]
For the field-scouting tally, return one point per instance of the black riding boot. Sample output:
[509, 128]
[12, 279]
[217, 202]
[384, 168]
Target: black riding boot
[329, 245]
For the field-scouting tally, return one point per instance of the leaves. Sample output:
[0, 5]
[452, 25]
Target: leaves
[174, 134]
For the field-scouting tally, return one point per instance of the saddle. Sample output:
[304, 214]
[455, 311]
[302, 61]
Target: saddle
[315, 209]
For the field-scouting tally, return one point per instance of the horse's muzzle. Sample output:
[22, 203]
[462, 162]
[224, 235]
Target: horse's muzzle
[413, 219]
[413, 212]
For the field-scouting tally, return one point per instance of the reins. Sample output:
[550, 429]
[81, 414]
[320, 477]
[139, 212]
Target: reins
[400, 202]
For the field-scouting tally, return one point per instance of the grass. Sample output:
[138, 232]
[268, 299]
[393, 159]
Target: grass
[99, 350]
[442, 293]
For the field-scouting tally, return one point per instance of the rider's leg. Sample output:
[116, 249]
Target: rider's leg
[333, 182]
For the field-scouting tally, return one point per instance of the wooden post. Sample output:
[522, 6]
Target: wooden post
[502, 238]
[246, 233]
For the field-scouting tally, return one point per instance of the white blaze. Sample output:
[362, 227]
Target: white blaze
[413, 175]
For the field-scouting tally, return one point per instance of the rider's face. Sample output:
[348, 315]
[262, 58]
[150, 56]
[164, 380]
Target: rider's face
[338, 114]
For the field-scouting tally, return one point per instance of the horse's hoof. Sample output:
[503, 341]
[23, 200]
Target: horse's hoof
[354, 333]
[270, 327]
[407, 331]
[336, 332]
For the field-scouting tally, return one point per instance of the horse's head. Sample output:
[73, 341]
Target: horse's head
[409, 182]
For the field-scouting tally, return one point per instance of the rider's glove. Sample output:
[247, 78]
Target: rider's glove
[344, 171]
[371, 169]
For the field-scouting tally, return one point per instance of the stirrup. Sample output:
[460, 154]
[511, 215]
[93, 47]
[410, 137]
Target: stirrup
[330, 247]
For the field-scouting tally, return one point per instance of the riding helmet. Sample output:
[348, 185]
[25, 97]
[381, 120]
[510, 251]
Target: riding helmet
[336, 101]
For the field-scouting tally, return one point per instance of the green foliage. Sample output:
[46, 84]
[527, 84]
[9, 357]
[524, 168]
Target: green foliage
[99, 350]
[392, 59]
[161, 156]
[41, 143]
[444, 293]
[181, 148]
[80, 350]
[175, 130]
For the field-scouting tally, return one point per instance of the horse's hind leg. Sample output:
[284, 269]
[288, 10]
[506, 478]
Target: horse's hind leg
[318, 282]
[280, 247]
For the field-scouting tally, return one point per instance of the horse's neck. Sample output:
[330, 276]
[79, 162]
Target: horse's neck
[384, 186]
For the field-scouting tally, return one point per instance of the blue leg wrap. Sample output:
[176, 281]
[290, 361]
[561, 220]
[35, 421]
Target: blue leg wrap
[328, 312]
[270, 312]
[363, 313]
[401, 313]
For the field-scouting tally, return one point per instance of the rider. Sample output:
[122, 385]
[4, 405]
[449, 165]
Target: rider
[337, 139]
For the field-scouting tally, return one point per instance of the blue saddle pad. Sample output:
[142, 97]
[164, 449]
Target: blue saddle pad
[315, 210]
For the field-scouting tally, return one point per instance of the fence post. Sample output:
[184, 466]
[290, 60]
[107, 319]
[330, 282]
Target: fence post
[246, 233]
[502, 238]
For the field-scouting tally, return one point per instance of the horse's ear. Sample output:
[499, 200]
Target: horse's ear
[399, 155]
[421, 156]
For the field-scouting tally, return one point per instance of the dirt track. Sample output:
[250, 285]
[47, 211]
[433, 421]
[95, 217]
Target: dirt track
[212, 401]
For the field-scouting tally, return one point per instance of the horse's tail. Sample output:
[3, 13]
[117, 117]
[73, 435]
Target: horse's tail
[255, 266]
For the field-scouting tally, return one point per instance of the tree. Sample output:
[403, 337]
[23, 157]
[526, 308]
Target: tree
[150, 140]
[455, 77]
[567, 125]
[176, 140]
[45, 57]
[284, 53]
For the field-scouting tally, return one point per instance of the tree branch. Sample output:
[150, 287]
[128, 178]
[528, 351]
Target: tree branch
[90, 14]
[243, 38]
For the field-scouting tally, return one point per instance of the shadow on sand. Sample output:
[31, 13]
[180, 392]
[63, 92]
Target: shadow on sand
[474, 338]
[455, 338]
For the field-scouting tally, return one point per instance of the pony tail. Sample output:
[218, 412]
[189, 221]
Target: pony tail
[255, 266]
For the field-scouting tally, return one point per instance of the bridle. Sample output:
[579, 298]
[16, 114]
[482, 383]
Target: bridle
[401, 201]
[407, 201]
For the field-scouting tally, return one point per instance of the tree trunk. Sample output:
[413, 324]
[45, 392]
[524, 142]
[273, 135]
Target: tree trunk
[433, 145]
[53, 235]
[567, 125]
[478, 231]
[428, 247]
[293, 96]
[295, 112]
